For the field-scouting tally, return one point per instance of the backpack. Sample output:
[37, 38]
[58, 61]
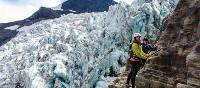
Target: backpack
[130, 46]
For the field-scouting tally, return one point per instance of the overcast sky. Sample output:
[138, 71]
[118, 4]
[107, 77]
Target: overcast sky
[12, 10]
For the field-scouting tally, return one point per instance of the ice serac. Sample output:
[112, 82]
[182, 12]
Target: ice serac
[176, 65]
[73, 51]
[149, 15]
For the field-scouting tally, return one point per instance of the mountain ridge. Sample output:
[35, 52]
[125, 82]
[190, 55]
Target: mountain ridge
[48, 13]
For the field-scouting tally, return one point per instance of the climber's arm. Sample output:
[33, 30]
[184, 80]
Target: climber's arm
[138, 51]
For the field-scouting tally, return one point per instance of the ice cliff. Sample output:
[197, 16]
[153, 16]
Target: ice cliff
[78, 50]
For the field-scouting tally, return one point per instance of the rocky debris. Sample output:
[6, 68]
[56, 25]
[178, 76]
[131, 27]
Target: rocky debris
[193, 66]
[120, 81]
[179, 85]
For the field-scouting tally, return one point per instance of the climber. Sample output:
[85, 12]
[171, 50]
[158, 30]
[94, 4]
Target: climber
[147, 48]
[135, 59]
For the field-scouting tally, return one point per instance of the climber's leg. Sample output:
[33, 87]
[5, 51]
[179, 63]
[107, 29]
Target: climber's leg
[143, 61]
[136, 68]
[130, 74]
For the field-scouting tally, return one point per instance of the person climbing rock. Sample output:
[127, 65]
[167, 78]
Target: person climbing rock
[147, 48]
[135, 59]
[130, 53]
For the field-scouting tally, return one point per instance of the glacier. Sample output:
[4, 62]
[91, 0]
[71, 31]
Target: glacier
[78, 50]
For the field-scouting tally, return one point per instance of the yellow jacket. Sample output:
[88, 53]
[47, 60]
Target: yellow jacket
[137, 50]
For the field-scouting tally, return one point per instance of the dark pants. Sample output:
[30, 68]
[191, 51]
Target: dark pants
[134, 69]
[143, 62]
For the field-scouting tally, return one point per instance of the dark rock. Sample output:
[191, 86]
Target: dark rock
[6, 35]
[81, 6]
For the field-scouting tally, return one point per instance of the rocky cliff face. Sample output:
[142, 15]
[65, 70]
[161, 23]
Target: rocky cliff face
[176, 65]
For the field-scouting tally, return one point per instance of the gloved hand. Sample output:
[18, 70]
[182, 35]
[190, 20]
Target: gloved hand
[147, 56]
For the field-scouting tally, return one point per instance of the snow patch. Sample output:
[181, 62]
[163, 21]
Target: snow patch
[72, 11]
[14, 27]
[59, 7]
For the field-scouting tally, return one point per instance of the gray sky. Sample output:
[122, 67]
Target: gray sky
[13, 10]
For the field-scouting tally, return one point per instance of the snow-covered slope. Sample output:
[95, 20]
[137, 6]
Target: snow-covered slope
[75, 50]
